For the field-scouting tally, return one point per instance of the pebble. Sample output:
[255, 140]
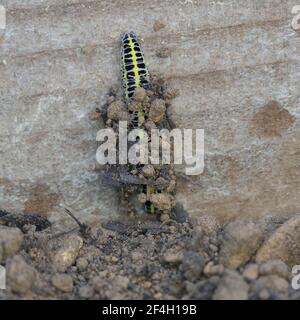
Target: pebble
[284, 244]
[117, 111]
[82, 264]
[62, 282]
[172, 258]
[11, 240]
[232, 286]
[251, 272]
[277, 267]
[192, 265]
[86, 291]
[211, 269]
[20, 275]
[66, 255]
[239, 242]
[140, 94]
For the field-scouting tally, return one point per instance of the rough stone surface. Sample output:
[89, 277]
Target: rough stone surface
[228, 60]
[239, 242]
[10, 241]
[283, 244]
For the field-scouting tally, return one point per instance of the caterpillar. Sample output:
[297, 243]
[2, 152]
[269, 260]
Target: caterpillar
[135, 74]
[134, 70]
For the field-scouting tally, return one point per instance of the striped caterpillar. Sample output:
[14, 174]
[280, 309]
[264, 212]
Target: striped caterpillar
[135, 74]
[134, 71]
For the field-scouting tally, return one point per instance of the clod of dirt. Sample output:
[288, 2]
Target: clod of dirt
[11, 240]
[140, 94]
[82, 264]
[192, 265]
[157, 110]
[20, 275]
[162, 201]
[276, 267]
[239, 242]
[284, 244]
[158, 25]
[270, 287]
[62, 282]
[148, 171]
[232, 286]
[117, 111]
[65, 256]
[85, 291]
[251, 272]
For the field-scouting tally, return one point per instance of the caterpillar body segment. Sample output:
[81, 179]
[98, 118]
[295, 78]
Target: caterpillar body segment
[149, 206]
[134, 70]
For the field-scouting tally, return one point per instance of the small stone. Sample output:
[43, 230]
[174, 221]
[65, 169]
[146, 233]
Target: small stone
[161, 183]
[140, 94]
[284, 244]
[251, 272]
[276, 286]
[20, 275]
[158, 25]
[117, 111]
[82, 264]
[162, 201]
[239, 241]
[172, 258]
[211, 269]
[192, 265]
[66, 255]
[11, 240]
[231, 287]
[157, 110]
[276, 267]
[62, 282]
[114, 259]
[86, 291]
[142, 197]
[148, 171]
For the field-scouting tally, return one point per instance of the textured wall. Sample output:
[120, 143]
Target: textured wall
[235, 63]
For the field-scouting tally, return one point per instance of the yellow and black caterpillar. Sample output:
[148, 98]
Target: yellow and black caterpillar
[134, 75]
[134, 70]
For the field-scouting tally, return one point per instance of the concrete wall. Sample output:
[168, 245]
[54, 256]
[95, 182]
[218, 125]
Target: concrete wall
[235, 63]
